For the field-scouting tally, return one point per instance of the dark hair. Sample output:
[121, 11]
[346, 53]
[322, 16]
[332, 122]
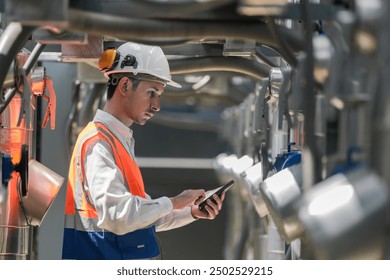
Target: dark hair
[114, 81]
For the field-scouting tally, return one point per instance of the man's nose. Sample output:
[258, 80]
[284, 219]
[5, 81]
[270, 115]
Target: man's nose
[156, 105]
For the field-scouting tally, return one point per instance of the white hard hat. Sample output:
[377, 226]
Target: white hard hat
[137, 59]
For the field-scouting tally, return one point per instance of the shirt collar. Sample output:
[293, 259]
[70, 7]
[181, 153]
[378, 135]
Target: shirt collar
[116, 126]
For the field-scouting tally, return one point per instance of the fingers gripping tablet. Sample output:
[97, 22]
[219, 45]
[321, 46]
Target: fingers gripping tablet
[219, 192]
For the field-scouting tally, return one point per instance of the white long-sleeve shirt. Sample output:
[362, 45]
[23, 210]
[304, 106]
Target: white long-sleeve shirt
[118, 210]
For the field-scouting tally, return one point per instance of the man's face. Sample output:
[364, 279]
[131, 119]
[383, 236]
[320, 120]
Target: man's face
[144, 101]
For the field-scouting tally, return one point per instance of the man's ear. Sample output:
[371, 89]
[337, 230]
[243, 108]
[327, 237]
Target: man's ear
[123, 85]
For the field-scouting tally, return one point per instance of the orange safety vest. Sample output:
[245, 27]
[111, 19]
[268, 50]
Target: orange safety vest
[81, 230]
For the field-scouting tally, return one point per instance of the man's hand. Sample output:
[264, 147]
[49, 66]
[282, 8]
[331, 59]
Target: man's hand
[211, 210]
[187, 198]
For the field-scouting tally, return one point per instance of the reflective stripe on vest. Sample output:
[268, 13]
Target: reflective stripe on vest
[83, 239]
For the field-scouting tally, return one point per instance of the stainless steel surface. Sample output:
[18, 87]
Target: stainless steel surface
[254, 177]
[237, 172]
[279, 192]
[43, 187]
[3, 192]
[14, 242]
[14, 228]
[276, 244]
[343, 216]
[263, 8]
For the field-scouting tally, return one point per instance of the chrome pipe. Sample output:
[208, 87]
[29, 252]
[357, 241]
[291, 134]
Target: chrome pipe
[138, 28]
[33, 58]
[276, 245]
[174, 8]
[344, 216]
[279, 192]
[14, 242]
[11, 42]
[14, 228]
[239, 65]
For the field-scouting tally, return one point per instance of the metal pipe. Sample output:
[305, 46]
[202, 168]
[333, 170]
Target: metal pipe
[138, 28]
[222, 100]
[380, 126]
[310, 161]
[276, 245]
[89, 103]
[26, 70]
[8, 97]
[14, 229]
[33, 58]
[69, 134]
[189, 121]
[284, 48]
[9, 79]
[264, 58]
[239, 65]
[156, 8]
[11, 42]
[169, 7]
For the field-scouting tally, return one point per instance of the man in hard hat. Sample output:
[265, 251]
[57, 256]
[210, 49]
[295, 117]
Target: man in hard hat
[108, 214]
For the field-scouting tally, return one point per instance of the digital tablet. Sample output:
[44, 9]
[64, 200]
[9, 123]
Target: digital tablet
[221, 190]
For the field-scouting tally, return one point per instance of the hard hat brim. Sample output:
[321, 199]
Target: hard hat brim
[162, 79]
[174, 84]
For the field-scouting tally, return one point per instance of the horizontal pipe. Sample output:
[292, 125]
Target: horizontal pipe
[188, 121]
[222, 100]
[175, 163]
[157, 9]
[238, 65]
[139, 28]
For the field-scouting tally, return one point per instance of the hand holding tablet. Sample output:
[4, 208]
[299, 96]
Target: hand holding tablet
[219, 192]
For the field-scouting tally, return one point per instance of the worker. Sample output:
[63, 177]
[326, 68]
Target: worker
[108, 214]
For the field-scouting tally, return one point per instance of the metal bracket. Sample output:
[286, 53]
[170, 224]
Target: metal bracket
[239, 48]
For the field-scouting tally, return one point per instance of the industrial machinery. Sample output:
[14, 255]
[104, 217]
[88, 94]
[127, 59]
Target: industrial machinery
[295, 90]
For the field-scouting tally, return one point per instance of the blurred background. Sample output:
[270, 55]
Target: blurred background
[288, 98]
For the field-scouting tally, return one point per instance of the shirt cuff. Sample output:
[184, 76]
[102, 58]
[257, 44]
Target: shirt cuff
[166, 204]
[186, 212]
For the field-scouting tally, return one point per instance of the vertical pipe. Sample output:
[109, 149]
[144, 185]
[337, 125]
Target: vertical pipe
[276, 244]
[310, 164]
[14, 228]
[309, 153]
[380, 120]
